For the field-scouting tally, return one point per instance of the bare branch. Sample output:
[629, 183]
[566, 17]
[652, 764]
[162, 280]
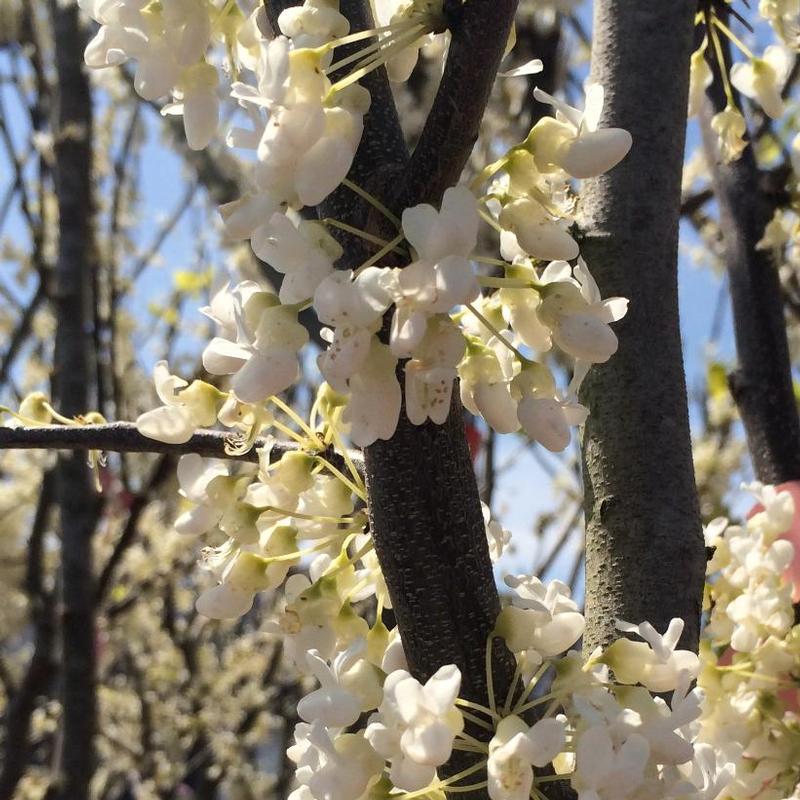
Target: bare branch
[123, 437]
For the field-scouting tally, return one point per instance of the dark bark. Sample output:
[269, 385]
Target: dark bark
[425, 513]
[77, 500]
[644, 546]
[480, 32]
[762, 382]
[122, 437]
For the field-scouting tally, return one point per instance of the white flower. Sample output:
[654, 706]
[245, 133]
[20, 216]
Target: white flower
[542, 620]
[762, 79]
[486, 373]
[665, 728]
[655, 662]
[262, 354]
[710, 774]
[304, 252]
[496, 536]
[328, 498]
[700, 78]
[243, 577]
[416, 725]
[430, 374]
[306, 146]
[355, 308]
[339, 767]
[515, 749]
[547, 420]
[347, 688]
[373, 407]
[281, 484]
[574, 142]
[169, 42]
[519, 307]
[760, 612]
[530, 230]
[185, 408]
[579, 318]
[778, 509]
[730, 127]
[401, 61]
[199, 482]
[442, 275]
[314, 23]
[604, 771]
[198, 103]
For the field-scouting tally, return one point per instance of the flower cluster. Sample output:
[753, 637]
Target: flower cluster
[169, 42]
[301, 115]
[751, 650]
[607, 738]
[761, 79]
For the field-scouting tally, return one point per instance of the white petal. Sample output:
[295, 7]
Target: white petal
[334, 708]
[198, 520]
[496, 406]
[546, 738]
[322, 169]
[441, 689]
[195, 473]
[587, 337]
[597, 152]
[265, 375]
[431, 744]
[224, 602]
[531, 67]
[223, 357]
[593, 107]
[200, 118]
[171, 424]
[543, 420]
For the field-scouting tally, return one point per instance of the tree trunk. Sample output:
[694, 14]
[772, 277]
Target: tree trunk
[78, 502]
[644, 547]
[425, 514]
[762, 383]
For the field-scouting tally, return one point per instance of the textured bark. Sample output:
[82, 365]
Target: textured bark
[644, 547]
[77, 500]
[762, 383]
[425, 513]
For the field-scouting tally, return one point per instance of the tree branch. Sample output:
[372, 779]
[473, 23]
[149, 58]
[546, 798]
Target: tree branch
[644, 547]
[123, 437]
[425, 513]
[762, 383]
[480, 31]
[21, 332]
